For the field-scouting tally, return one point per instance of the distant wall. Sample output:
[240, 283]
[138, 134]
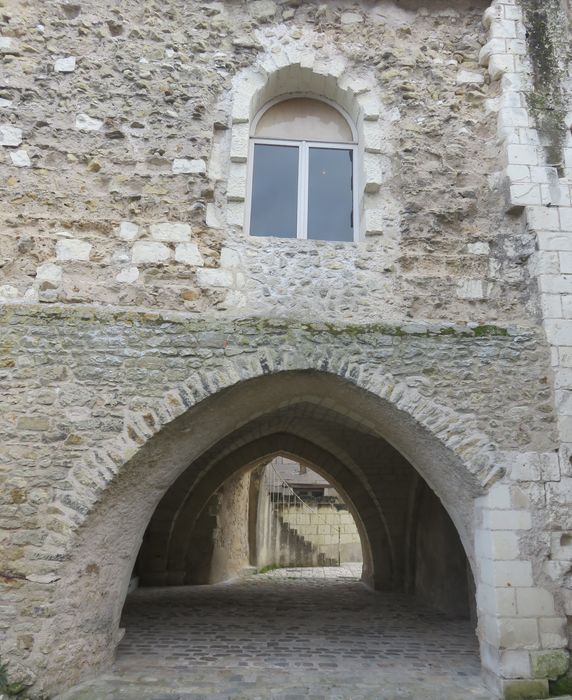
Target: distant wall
[441, 568]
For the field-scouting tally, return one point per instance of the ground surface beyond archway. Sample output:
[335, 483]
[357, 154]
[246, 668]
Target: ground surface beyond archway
[284, 634]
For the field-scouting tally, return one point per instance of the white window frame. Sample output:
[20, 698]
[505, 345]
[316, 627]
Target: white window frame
[303, 169]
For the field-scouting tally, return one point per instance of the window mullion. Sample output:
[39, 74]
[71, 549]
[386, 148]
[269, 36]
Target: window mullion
[303, 192]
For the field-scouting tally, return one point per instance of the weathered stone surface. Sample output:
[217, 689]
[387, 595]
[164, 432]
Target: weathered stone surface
[87, 123]
[73, 249]
[188, 253]
[20, 159]
[150, 252]
[65, 65]
[10, 135]
[549, 664]
[49, 275]
[443, 290]
[170, 232]
[186, 165]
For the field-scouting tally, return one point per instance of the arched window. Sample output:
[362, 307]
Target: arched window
[302, 172]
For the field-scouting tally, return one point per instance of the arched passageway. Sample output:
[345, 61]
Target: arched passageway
[356, 439]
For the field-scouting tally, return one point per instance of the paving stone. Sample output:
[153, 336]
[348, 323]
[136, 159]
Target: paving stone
[289, 634]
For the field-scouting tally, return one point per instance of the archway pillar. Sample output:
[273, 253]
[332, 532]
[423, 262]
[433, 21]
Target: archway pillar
[515, 615]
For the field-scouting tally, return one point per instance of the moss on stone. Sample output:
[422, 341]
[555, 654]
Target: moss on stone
[525, 690]
[547, 48]
[11, 689]
[561, 686]
[549, 664]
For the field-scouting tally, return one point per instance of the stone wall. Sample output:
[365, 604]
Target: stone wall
[218, 547]
[123, 149]
[331, 532]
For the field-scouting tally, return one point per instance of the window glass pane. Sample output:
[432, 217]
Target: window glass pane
[274, 206]
[330, 194]
[303, 119]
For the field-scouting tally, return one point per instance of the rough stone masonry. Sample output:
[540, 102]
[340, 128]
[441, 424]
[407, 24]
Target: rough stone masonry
[136, 310]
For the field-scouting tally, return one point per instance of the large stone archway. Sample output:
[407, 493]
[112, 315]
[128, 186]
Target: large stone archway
[90, 593]
[189, 390]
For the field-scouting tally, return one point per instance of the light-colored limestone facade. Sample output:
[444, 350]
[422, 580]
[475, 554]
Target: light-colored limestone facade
[151, 349]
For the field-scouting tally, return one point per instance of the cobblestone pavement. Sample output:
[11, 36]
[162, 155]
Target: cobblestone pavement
[291, 634]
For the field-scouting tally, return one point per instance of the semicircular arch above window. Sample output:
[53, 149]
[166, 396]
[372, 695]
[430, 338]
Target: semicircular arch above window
[303, 119]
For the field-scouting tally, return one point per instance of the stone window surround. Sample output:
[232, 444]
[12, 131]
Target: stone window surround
[355, 97]
[303, 186]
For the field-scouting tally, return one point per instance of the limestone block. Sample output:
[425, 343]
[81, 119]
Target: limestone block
[494, 46]
[561, 546]
[212, 277]
[503, 28]
[370, 107]
[121, 256]
[128, 231]
[550, 466]
[563, 401]
[518, 154]
[10, 135]
[236, 189]
[512, 12]
[371, 137]
[188, 253]
[542, 218]
[565, 214]
[20, 158]
[553, 634]
[513, 117]
[349, 18]
[173, 232]
[49, 275]
[555, 284]
[374, 221]
[73, 249]
[519, 174]
[560, 491]
[240, 143]
[499, 64]
[211, 219]
[546, 263]
[513, 573]
[478, 248]
[5, 103]
[507, 519]
[128, 275]
[552, 306]
[9, 45]
[534, 601]
[524, 689]
[243, 92]
[469, 76]
[86, 123]
[229, 259]
[235, 213]
[150, 252]
[515, 664]
[65, 65]
[549, 664]
[8, 292]
[518, 633]
[372, 172]
[491, 15]
[471, 289]
[193, 166]
[262, 10]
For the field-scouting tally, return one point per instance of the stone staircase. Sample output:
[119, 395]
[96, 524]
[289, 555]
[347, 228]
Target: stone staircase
[295, 550]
